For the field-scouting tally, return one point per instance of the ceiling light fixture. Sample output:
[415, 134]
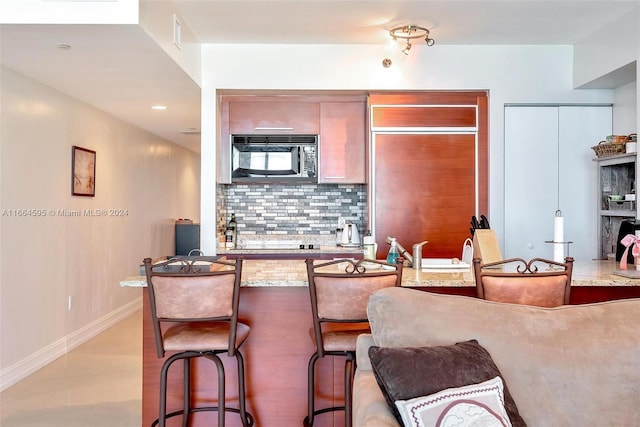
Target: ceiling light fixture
[411, 32]
[191, 131]
[159, 107]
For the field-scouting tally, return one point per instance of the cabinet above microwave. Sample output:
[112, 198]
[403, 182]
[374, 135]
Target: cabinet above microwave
[264, 118]
[339, 122]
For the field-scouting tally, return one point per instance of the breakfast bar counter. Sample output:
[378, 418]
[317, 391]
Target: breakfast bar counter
[274, 302]
[292, 273]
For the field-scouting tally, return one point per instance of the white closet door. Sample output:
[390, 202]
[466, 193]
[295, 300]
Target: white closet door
[530, 180]
[581, 127]
[548, 166]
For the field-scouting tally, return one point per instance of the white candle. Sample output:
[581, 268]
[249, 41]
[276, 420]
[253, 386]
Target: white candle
[558, 237]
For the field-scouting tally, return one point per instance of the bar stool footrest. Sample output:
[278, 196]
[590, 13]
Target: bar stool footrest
[306, 423]
[249, 420]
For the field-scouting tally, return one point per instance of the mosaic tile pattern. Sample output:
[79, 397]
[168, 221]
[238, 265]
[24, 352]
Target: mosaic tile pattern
[309, 209]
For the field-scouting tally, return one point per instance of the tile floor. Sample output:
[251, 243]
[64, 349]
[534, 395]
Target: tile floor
[98, 384]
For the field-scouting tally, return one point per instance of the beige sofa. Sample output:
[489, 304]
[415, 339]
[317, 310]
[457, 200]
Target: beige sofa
[567, 366]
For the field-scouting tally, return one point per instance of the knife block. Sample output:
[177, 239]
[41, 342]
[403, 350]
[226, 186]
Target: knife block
[485, 246]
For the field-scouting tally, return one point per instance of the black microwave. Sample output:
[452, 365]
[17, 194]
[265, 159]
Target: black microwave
[274, 158]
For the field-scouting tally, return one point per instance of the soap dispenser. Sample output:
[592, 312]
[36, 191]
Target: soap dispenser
[392, 256]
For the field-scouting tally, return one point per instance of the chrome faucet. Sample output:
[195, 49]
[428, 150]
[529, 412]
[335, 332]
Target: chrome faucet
[417, 254]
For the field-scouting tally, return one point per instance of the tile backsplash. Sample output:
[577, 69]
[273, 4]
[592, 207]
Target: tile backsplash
[291, 209]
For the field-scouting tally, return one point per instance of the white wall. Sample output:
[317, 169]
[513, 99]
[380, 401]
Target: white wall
[625, 112]
[45, 259]
[511, 74]
[608, 50]
[157, 19]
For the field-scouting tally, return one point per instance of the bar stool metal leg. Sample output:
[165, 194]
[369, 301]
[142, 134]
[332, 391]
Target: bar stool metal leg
[162, 416]
[221, 404]
[349, 369]
[247, 419]
[187, 391]
[311, 390]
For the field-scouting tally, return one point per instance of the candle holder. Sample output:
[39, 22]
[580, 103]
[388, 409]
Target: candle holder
[564, 243]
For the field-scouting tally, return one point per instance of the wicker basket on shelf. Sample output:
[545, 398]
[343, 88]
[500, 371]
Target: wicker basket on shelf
[604, 149]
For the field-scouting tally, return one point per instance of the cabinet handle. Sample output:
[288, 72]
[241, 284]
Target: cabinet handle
[267, 128]
[334, 177]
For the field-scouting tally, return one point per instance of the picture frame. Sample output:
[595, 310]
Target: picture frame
[83, 172]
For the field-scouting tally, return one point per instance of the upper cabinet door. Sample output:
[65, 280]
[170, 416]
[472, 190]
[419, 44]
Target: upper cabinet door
[268, 117]
[424, 117]
[342, 143]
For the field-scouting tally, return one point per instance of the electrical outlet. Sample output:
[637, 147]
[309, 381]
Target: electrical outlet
[69, 303]
[341, 222]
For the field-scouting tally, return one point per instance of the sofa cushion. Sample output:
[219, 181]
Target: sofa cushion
[570, 365]
[410, 372]
[471, 405]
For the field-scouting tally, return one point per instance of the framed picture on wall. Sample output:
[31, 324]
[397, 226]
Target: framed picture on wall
[83, 172]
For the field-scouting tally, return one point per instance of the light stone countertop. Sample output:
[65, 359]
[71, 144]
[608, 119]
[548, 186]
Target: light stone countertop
[323, 249]
[282, 273]
[273, 244]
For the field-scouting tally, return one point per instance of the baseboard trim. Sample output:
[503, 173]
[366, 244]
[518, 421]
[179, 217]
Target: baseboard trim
[25, 367]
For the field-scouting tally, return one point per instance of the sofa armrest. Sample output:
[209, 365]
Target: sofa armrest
[370, 409]
[362, 351]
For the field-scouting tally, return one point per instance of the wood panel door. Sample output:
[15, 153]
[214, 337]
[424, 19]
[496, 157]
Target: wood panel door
[266, 117]
[342, 143]
[425, 189]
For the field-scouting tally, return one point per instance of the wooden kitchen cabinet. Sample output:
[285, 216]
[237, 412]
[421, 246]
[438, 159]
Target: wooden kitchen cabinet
[339, 120]
[425, 190]
[429, 169]
[269, 116]
[423, 116]
[262, 115]
[342, 154]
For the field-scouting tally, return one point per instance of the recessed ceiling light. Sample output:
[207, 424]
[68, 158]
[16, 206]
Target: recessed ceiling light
[191, 131]
[159, 107]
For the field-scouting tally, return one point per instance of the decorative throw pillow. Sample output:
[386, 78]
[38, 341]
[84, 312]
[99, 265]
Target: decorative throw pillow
[408, 372]
[472, 405]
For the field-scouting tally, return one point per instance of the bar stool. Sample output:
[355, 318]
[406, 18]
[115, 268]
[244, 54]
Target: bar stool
[339, 292]
[538, 282]
[199, 297]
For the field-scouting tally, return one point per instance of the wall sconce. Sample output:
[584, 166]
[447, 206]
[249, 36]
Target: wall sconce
[411, 32]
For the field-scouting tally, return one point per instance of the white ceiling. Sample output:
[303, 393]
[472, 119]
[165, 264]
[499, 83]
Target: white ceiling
[121, 70]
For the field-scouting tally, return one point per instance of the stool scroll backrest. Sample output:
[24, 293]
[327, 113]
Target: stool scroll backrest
[193, 290]
[538, 282]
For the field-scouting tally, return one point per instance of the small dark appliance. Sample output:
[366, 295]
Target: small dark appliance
[187, 238]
